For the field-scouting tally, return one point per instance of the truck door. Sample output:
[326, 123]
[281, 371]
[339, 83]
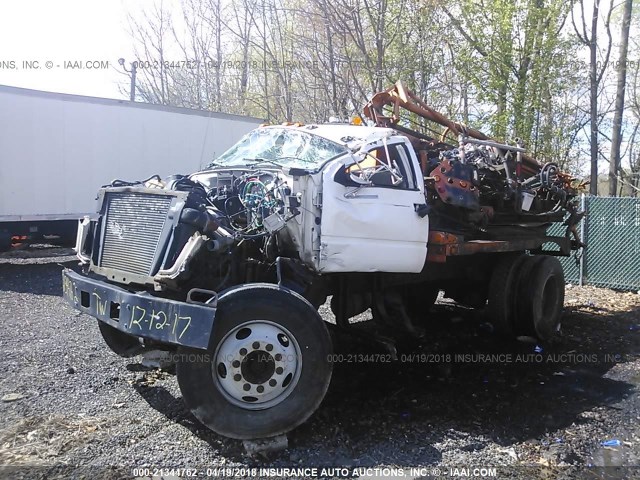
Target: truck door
[369, 221]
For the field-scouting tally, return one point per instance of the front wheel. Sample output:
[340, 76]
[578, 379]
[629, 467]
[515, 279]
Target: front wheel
[268, 367]
[120, 343]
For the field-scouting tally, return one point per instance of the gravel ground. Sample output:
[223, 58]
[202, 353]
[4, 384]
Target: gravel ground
[69, 404]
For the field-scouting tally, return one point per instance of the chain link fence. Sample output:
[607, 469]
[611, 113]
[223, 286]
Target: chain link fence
[611, 230]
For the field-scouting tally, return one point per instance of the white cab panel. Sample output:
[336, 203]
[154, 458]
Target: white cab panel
[372, 228]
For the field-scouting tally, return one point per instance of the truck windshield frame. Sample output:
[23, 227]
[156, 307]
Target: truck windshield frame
[284, 146]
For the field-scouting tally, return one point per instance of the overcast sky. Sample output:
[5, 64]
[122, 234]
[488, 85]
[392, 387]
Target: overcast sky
[60, 31]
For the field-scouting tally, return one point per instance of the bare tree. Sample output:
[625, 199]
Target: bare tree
[589, 38]
[488, 63]
[152, 34]
[634, 107]
[616, 138]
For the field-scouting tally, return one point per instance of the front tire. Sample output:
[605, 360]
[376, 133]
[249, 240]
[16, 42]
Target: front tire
[118, 342]
[268, 367]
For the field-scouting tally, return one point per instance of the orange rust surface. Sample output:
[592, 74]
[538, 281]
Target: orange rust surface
[444, 244]
[437, 237]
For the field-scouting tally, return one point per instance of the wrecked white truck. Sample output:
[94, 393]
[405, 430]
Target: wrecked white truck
[227, 267]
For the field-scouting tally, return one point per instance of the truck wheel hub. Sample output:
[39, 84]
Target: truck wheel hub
[258, 367]
[257, 364]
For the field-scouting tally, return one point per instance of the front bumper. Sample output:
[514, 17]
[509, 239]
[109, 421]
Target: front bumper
[140, 314]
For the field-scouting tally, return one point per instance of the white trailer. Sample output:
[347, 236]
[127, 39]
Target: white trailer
[57, 150]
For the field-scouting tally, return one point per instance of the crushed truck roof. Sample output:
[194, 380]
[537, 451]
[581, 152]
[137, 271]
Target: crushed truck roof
[344, 133]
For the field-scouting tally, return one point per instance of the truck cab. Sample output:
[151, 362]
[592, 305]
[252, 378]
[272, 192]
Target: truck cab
[370, 204]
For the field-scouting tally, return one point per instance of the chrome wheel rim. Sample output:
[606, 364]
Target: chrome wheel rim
[257, 364]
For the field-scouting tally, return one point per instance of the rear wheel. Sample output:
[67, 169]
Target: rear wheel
[502, 293]
[268, 367]
[541, 298]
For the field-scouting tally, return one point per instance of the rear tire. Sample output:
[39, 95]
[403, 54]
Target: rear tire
[522, 322]
[501, 300]
[268, 366]
[541, 299]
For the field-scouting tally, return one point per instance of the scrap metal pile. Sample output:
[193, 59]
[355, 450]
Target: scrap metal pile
[480, 187]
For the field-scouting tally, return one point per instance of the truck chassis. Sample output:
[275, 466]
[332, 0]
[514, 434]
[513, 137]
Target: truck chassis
[226, 268]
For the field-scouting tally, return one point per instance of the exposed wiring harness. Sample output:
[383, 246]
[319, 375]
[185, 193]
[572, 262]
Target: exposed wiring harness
[260, 194]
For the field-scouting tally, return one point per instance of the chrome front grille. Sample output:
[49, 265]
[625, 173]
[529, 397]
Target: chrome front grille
[133, 227]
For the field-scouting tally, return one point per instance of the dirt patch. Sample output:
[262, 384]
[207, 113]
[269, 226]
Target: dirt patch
[41, 440]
